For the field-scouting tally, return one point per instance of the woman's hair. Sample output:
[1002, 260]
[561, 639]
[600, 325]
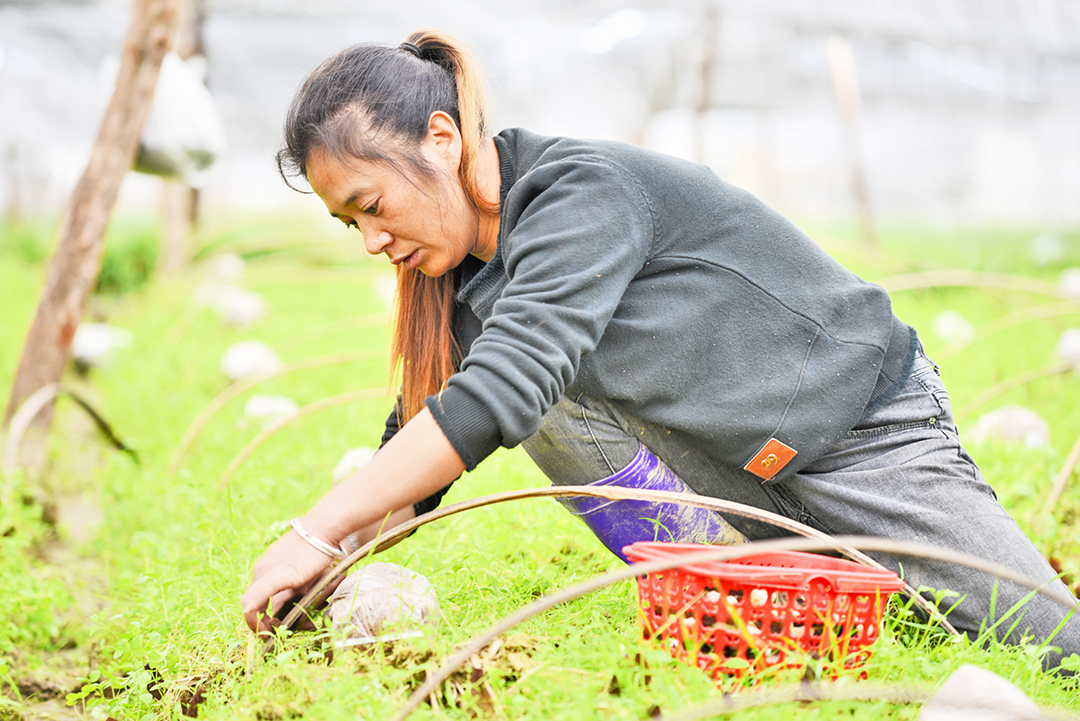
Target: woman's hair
[373, 102]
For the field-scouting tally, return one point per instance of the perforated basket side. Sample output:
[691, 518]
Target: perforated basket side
[727, 627]
[790, 569]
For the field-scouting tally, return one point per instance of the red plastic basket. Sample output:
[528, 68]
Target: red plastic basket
[756, 612]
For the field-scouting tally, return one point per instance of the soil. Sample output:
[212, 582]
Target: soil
[44, 683]
[66, 491]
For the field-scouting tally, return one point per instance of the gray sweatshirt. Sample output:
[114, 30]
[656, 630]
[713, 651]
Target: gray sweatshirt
[649, 281]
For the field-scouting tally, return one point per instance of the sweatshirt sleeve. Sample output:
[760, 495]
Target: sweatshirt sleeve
[575, 231]
[393, 424]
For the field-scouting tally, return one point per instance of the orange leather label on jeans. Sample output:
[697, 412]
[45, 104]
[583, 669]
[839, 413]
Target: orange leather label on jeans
[772, 457]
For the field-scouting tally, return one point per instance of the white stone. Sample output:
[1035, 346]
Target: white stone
[350, 461]
[952, 327]
[1046, 248]
[382, 598]
[270, 409]
[1068, 347]
[236, 306]
[1069, 283]
[239, 306]
[249, 358]
[227, 267]
[975, 694]
[94, 344]
[243, 309]
[1010, 424]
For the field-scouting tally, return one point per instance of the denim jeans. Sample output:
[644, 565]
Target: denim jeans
[900, 473]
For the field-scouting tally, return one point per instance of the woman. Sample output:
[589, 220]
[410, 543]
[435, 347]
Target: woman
[630, 319]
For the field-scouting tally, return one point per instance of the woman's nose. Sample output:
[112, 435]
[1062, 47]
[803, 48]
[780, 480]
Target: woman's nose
[376, 241]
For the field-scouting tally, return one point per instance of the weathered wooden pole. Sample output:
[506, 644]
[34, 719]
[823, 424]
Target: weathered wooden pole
[707, 72]
[180, 202]
[76, 260]
[846, 88]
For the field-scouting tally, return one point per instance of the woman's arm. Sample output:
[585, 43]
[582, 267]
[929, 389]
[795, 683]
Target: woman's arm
[379, 527]
[415, 463]
[392, 426]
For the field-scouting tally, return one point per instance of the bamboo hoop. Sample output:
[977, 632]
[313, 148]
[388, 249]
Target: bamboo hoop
[307, 410]
[182, 323]
[839, 543]
[241, 387]
[942, 278]
[1017, 381]
[401, 531]
[730, 703]
[1008, 321]
[825, 692]
[1060, 481]
[38, 400]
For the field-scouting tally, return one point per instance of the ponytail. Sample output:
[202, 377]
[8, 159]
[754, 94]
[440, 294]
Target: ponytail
[373, 103]
[471, 119]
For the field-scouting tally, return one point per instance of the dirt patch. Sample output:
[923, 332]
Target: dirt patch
[66, 492]
[54, 710]
[44, 681]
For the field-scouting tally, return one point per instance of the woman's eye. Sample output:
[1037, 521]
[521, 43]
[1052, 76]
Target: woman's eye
[372, 209]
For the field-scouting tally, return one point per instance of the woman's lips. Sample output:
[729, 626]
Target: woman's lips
[410, 261]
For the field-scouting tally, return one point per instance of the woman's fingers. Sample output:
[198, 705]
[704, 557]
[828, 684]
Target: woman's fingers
[305, 622]
[261, 602]
[286, 569]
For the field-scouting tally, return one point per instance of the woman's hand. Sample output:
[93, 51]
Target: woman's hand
[415, 463]
[257, 616]
[287, 569]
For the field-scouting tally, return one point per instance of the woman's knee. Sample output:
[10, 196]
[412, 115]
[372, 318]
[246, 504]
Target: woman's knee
[581, 441]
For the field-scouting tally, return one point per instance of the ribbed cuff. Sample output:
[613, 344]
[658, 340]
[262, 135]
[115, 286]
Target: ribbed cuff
[467, 423]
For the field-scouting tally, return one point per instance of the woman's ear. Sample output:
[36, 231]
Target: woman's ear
[444, 140]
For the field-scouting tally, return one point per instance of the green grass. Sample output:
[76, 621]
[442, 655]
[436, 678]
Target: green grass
[155, 585]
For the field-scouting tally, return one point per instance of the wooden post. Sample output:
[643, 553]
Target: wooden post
[13, 208]
[179, 202]
[76, 261]
[846, 88]
[707, 70]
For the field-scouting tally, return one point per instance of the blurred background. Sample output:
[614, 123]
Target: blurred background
[947, 130]
[965, 111]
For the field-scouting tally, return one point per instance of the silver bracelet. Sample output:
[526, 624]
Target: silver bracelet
[317, 543]
[349, 544]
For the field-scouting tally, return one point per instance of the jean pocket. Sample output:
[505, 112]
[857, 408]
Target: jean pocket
[889, 429]
[922, 352]
[917, 406]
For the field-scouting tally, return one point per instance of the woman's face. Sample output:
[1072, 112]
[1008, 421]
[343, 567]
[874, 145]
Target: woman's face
[418, 221]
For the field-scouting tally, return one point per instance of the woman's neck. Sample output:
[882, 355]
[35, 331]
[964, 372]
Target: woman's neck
[490, 181]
